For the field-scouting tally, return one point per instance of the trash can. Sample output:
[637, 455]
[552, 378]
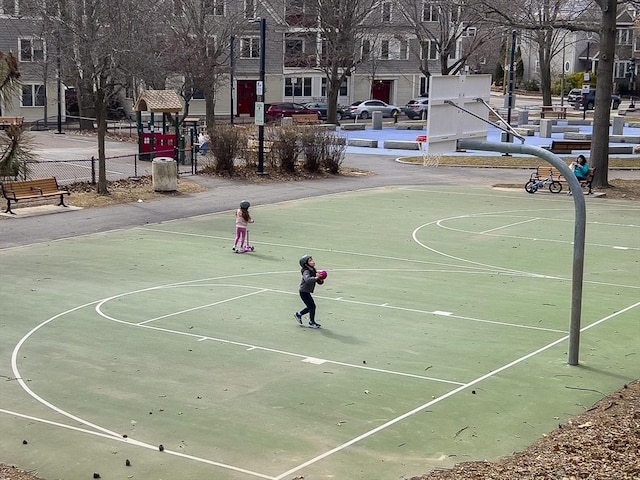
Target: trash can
[164, 173]
[377, 120]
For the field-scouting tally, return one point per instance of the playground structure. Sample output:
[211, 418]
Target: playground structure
[152, 143]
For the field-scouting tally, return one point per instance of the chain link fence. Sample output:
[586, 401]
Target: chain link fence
[117, 168]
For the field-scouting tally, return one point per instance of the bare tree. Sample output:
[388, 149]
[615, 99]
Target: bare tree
[447, 33]
[339, 31]
[100, 43]
[543, 18]
[200, 34]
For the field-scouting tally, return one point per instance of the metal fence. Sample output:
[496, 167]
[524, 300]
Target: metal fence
[117, 168]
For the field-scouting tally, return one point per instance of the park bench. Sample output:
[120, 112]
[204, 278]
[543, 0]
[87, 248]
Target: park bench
[6, 122]
[306, 119]
[568, 146]
[545, 171]
[553, 111]
[32, 190]
[253, 145]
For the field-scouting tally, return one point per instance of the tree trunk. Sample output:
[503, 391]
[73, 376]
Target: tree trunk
[602, 113]
[101, 119]
[210, 105]
[546, 38]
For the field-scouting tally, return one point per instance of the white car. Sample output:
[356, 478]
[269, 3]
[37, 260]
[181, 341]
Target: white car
[365, 109]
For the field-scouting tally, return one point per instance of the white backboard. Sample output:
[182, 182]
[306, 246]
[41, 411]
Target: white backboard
[448, 124]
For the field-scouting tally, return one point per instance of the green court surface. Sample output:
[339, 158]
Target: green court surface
[445, 320]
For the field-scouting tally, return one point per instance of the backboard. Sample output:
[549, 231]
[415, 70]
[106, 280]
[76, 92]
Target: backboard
[448, 124]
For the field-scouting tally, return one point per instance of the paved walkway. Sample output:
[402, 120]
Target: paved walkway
[223, 194]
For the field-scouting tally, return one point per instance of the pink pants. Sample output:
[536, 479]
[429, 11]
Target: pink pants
[241, 235]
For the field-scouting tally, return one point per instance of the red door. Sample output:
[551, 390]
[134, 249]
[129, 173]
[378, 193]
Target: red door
[382, 90]
[246, 97]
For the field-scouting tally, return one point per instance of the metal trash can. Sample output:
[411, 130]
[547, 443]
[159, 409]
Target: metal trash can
[164, 173]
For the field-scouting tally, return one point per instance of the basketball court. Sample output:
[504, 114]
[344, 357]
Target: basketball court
[444, 333]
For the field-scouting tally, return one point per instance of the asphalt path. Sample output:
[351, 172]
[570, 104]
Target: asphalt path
[224, 194]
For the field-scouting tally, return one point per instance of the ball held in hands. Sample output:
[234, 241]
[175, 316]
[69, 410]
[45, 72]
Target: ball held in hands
[322, 274]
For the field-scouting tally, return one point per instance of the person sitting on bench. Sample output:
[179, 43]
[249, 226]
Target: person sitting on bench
[580, 168]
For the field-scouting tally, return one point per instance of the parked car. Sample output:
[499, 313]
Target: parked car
[417, 107]
[573, 96]
[278, 110]
[323, 108]
[364, 109]
[589, 99]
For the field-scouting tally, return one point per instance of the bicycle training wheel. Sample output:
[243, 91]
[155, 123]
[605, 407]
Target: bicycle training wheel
[555, 187]
[531, 186]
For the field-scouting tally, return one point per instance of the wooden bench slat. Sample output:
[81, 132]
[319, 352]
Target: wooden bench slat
[31, 190]
[307, 118]
[568, 146]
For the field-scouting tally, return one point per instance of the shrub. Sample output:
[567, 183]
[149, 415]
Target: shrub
[226, 143]
[335, 150]
[311, 139]
[285, 149]
[531, 85]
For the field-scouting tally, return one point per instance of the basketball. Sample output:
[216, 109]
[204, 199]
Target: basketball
[323, 274]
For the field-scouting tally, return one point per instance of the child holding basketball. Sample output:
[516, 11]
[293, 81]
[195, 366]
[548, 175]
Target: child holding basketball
[243, 219]
[308, 283]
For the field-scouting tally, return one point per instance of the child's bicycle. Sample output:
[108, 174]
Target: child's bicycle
[535, 183]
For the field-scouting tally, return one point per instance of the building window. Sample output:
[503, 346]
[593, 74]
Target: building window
[404, 49]
[623, 36]
[297, 87]
[8, 7]
[429, 50]
[636, 42]
[249, 47]
[366, 49]
[343, 92]
[249, 9]
[384, 50]
[31, 50]
[386, 11]
[430, 12]
[424, 85]
[293, 47]
[33, 95]
[213, 7]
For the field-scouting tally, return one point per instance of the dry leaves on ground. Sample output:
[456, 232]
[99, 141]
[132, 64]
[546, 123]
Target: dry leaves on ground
[601, 444]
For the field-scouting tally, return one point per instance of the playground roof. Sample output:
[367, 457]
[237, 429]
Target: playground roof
[164, 101]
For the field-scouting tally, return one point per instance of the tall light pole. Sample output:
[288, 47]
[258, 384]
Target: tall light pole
[260, 90]
[231, 74]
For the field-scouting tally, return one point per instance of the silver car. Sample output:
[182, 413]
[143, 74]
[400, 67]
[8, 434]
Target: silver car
[365, 108]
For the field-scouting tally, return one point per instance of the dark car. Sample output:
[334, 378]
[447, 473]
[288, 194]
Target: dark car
[589, 99]
[323, 108]
[417, 108]
[278, 110]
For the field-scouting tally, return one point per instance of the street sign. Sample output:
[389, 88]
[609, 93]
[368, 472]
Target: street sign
[259, 88]
[259, 113]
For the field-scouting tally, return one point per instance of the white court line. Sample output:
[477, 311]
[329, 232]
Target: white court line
[137, 443]
[446, 395]
[200, 307]
[509, 225]
[251, 347]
